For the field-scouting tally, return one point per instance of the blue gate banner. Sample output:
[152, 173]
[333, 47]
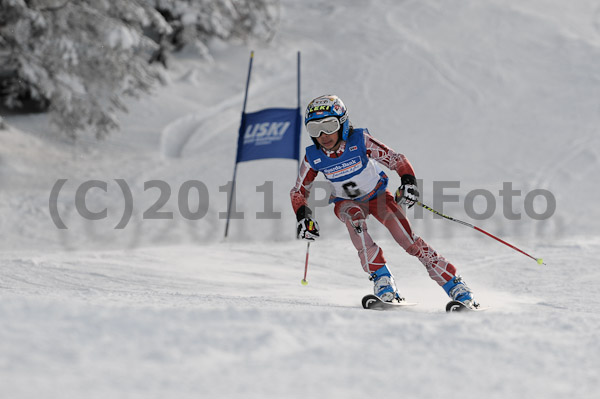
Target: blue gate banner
[270, 133]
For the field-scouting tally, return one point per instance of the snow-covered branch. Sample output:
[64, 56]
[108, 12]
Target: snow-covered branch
[79, 60]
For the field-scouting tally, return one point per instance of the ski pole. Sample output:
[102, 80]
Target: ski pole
[304, 282]
[540, 261]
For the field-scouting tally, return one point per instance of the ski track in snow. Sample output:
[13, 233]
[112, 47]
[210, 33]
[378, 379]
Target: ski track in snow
[177, 134]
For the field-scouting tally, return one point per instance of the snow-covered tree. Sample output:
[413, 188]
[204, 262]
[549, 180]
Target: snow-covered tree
[80, 59]
[195, 22]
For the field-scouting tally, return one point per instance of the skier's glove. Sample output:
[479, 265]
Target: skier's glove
[307, 228]
[408, 192]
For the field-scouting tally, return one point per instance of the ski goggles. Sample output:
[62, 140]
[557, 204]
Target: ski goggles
[327, 125]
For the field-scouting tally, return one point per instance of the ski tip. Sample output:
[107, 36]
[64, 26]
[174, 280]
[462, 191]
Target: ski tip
[456, 306]
[369, 300]
[374, 302]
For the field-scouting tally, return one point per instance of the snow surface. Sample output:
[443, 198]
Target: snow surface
[477, 92]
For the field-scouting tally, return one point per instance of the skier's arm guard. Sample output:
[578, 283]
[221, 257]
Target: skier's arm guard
[301, 190]
[388, 157]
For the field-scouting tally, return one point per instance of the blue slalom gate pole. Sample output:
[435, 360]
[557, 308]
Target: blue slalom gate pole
[236, 159]
[299, 108]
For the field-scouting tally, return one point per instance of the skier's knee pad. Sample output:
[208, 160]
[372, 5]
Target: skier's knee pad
[351, 212]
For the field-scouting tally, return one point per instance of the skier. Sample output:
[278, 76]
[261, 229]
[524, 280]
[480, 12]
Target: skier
[346, 155]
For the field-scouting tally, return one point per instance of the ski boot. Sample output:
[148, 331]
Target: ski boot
[457, 290]
[385, 287]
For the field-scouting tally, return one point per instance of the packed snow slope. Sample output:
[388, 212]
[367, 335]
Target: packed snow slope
[478, 95]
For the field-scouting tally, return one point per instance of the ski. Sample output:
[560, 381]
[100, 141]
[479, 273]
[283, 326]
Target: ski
[373, 302]
[456, 306]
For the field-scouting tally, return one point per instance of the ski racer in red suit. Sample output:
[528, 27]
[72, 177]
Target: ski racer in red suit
[346, 156]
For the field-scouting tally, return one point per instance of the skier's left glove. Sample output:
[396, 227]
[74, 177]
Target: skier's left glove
[307, 228]
[408, 192]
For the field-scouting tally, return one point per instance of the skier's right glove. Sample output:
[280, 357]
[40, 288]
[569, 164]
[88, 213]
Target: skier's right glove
[307, 228]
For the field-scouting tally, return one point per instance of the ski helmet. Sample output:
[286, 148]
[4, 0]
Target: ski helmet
[327, 106]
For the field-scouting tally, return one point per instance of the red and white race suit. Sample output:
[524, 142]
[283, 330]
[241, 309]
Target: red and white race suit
[354, 213]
